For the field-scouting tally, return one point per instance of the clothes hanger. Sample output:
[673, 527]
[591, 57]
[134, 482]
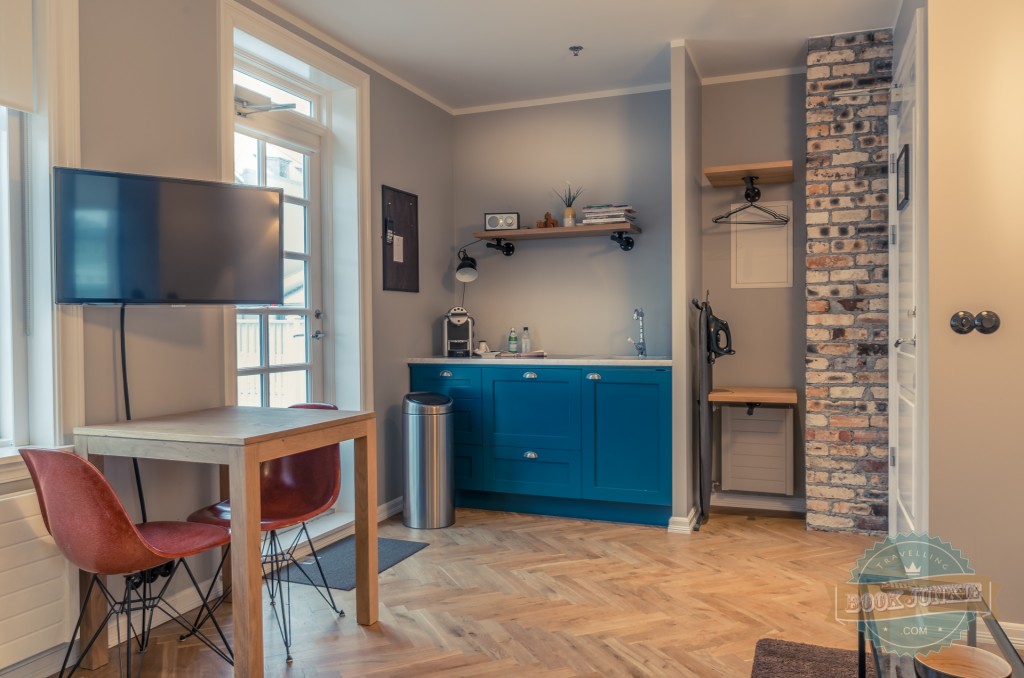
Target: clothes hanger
[752, 194]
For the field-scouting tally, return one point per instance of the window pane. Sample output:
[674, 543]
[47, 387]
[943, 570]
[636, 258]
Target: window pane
[250, 391]
[287, 339]
[248, 340]
[286, 169]
[294, 228]
[288, 388]
[276, 94]
[247, 164]
[294, 282]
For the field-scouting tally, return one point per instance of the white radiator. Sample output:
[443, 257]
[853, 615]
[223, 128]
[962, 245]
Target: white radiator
[34, 582]
[757, 450]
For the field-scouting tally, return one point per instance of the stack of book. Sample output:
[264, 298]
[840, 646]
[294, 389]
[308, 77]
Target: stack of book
[608, 214]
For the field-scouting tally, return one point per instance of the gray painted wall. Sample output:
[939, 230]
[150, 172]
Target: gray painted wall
[744, 122]
[411, 149]
[578, 294]
[412, 142]
[686, 279]
[752, 121]
[153, 113]
[176, 355]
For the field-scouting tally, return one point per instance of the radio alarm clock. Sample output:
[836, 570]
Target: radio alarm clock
[501, 221]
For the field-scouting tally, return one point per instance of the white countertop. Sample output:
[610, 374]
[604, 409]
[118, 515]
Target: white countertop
[551, 360]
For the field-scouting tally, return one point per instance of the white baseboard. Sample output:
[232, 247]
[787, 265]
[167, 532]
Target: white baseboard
[681, 525]
[48, 663]
[384, 511]
[763, 502]
[1014, 631]
[42, 665]
[183, 601]
[188, 599]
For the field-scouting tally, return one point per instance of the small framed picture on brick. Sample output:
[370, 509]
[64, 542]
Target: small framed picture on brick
[903, 177]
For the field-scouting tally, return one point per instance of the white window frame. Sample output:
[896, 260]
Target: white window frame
[47, 340]
[349, 345]
[296, 132]
[13, 375]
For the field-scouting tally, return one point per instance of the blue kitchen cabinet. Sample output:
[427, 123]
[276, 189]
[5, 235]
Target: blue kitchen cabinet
[469, 469]
[462, 385]
[558, 440]
[627, 435]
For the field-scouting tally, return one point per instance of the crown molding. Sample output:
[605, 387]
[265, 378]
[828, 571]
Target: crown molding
[294, 23]
[757, 75]
[528, 103]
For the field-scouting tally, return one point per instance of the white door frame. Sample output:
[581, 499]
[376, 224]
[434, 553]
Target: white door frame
[909, 376]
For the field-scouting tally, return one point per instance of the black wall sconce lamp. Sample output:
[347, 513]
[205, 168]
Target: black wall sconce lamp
[466, 271]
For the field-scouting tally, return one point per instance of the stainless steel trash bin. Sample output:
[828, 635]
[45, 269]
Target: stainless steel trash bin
[429, 469]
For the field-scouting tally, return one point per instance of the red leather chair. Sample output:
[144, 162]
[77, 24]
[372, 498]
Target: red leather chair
[293, 489]
[92, 529]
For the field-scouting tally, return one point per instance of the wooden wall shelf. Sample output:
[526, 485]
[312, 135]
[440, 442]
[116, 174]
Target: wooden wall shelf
[584, 231]
[753, 394]
[777, 172]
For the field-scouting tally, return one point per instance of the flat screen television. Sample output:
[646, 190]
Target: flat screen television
[136, 239]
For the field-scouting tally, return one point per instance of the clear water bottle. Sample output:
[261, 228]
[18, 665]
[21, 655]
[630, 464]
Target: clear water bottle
[513, 341]
[524, 340]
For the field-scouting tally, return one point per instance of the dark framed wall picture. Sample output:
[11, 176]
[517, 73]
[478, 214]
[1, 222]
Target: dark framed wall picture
[401, 240]
[903, 177]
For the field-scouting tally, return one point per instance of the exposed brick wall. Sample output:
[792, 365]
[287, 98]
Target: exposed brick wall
[847, 282]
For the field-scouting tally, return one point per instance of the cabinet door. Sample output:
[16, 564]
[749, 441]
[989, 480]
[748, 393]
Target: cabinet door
[627, 435]
[469, 467]
[532, 407]
[451, 380]
[467, 420]
[536, 471]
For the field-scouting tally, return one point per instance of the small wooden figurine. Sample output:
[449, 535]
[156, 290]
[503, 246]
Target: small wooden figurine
[547, 222]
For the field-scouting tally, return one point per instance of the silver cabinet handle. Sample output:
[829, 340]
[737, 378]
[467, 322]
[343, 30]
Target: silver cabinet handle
[910, 342]
[593, 376]
[530, 454]
[446, 373]
[529, 375]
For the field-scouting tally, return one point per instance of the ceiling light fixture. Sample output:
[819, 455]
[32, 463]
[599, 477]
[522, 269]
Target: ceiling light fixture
[576, 49]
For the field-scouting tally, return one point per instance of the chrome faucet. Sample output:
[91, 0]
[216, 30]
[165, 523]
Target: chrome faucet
[640, 346]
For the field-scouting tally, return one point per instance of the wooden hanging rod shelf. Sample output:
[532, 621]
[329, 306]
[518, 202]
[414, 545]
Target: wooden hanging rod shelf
[558, 232]
[777, 172]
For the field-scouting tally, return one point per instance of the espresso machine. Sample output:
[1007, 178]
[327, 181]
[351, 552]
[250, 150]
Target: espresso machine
[458, 333]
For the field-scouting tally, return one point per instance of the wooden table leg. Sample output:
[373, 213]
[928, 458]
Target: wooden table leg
[366, 525]
[247, 595]
[224, 480]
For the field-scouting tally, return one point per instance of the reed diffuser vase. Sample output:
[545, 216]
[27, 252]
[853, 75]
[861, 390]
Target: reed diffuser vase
[568, 197]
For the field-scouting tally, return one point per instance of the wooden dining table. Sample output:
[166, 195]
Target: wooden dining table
[240, 439]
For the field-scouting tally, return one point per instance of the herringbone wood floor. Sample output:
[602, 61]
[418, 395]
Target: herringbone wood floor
[502, 594]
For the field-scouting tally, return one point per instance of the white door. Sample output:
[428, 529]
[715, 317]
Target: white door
[907, 294]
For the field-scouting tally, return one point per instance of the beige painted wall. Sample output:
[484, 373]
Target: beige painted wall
[577, 295]
[149, 106]
[743, 122]
[975, 241]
